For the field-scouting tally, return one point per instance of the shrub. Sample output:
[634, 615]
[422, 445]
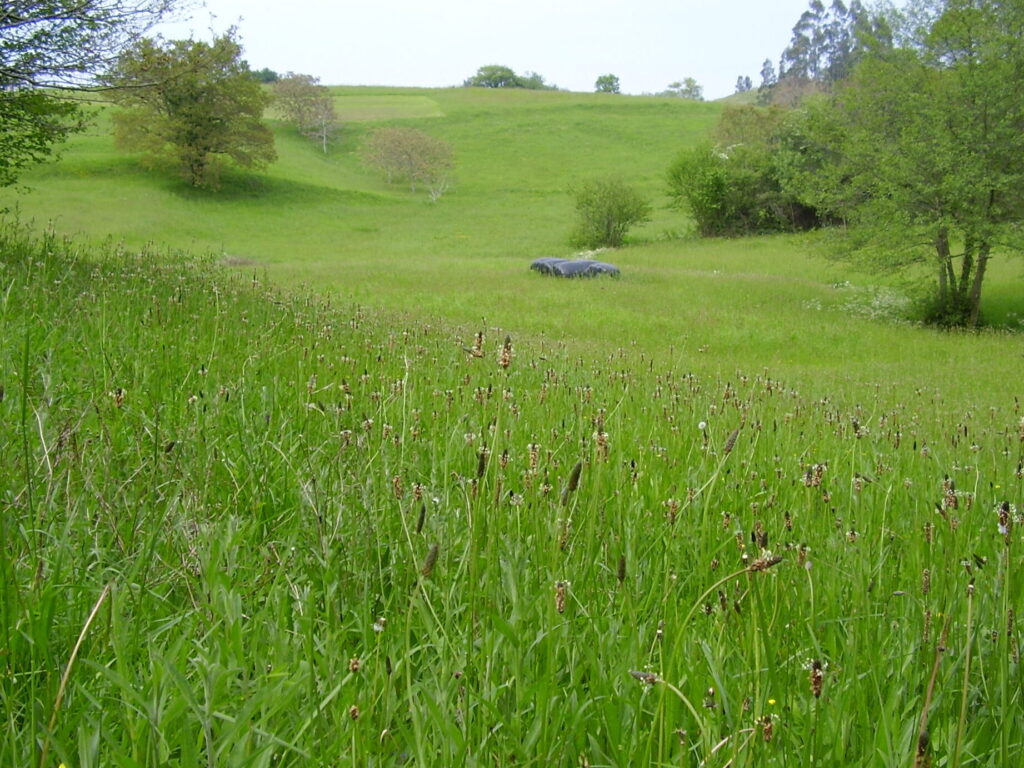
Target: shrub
[735, 191]
[606, 209]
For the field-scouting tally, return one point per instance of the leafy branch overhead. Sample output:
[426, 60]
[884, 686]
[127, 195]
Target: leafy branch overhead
[53, 46]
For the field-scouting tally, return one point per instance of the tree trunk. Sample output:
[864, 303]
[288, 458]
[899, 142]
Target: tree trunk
[966, 267]
[942, 253]
[979, 275]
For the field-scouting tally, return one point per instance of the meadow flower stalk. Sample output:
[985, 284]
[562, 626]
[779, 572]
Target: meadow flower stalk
[573, 484]
[430, 561]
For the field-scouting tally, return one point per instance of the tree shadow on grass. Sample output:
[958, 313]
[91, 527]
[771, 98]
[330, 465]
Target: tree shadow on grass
[273, 192]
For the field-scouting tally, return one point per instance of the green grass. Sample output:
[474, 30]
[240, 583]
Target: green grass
[217, 480]
[244, 527]
[712, 306]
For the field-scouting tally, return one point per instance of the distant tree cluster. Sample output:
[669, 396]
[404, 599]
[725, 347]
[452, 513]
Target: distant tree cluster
[687, 88]
[308, 106]
[910, 134]
[744, 84]
[826, 45]
[266, 76]
[498, 76]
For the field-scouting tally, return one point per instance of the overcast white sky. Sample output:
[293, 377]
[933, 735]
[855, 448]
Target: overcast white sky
[647, 43]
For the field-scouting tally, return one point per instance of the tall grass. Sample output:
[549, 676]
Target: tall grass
[249, 527]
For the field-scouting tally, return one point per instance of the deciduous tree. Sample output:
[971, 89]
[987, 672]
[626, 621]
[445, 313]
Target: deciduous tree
[607, 84]
[307, 105]
[686, 89]
[411, 156]
[193, 102]
[922, 153]
[494, 76]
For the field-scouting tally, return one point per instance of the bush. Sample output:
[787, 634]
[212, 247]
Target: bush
[606, 209]
[735, 191]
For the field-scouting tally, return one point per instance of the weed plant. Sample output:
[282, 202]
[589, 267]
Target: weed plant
[249, 528]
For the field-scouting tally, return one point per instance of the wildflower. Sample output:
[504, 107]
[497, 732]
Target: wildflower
[379, 624]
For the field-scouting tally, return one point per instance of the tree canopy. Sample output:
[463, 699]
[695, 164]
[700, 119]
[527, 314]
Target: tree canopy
[921, 152]
[193, 102]
[308, 105]
[47, 46]
[498, 76]
[687, 88]
[908, 132]
[607, 84]
[412, 156]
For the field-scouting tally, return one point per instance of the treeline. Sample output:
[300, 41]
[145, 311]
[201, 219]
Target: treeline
[905, 129]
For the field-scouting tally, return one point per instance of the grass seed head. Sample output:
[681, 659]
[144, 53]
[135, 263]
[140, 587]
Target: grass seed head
[817, 678]
[505, 356]
[431, 561]
[923, 758]
[645, 677]
[730, 442]
[764, 562]
[573, 484]
[561, 592]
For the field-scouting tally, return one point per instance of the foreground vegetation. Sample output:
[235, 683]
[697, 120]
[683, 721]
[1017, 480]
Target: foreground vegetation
[248, 528]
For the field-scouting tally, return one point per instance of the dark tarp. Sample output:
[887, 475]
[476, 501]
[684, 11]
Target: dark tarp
[550, 265]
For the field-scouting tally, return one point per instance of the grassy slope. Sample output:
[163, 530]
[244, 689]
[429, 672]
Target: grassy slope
[248, 488]
[714, 306]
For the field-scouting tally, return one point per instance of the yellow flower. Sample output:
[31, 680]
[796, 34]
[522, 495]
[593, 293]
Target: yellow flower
[771, 702]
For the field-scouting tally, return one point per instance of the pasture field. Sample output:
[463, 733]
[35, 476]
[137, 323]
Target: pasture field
[357, 488]
[328, 223]
[249, 527]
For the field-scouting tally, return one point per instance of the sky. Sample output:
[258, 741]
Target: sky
[647, 44]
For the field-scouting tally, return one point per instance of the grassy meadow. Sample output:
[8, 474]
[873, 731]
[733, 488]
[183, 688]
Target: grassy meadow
[351, 486]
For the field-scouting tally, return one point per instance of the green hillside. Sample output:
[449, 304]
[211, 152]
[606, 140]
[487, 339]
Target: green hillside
[329, 223]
